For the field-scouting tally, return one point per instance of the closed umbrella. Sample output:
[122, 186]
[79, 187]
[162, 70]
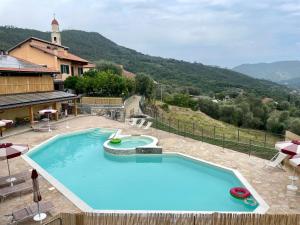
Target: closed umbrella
[289, 147]
[2, 124]
[37, 195]
[9, 151]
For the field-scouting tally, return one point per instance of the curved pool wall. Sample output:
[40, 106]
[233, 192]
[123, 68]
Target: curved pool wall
[55, 174]
[129, 144]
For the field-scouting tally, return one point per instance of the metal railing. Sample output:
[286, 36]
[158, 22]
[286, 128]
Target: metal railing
[258, 143]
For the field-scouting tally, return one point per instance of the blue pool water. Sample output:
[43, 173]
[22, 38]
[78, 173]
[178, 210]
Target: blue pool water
[136, 182]
[132, 142]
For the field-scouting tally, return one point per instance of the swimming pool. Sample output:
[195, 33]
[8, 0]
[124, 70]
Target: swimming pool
[95, 180]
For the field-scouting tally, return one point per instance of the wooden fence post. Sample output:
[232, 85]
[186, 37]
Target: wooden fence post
[223, 139]
[265, 139]
[193, 129]
[214, 132]
[250, 145]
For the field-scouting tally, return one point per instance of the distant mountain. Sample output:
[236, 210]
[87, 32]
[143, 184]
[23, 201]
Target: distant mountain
[292, 83]
[176, 73]
[279, 72]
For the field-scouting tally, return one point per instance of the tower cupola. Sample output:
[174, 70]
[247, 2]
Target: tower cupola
[55, 34]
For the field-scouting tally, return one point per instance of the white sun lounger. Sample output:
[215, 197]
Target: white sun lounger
[148, 125]
[134, 121]
[276, 160]
[141, 123]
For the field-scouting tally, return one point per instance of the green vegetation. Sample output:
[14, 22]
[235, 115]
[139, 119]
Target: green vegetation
[144, 85]
[245, 111]
[107, 81]
[195, 78]
[101, 83]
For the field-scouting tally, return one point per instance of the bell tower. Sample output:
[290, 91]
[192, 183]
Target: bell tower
[55, 34]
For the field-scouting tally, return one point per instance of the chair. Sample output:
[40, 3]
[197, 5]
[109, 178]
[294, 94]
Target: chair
[276, 160]
[141, 123]
[29, 212]
[17, 179]
[148, 125]
[134, 121]
[16, 189]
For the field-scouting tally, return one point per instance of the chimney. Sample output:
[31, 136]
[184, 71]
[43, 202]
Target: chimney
[2, 52]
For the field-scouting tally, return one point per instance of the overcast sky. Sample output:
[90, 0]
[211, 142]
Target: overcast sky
[216, 32]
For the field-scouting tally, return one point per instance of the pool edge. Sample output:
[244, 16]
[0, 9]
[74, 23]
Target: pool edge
[261, 209]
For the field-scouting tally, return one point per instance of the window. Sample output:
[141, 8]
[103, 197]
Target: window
[54, 39]
[64, 69]
[80, 70]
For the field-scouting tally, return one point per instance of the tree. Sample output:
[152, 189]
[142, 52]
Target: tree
[144, 85]
[71, 82]
[104, 84]
[208, 107]
[284, 105]
[274, 125]
[295, 126]
[106, 66]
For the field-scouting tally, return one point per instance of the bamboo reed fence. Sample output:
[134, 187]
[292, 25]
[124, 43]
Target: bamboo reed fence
[14, 85]
[101, 101]
[174, 219]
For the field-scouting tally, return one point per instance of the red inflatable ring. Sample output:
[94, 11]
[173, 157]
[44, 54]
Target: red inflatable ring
[239, 192]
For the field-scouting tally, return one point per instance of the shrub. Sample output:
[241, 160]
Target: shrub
[295, 126]
[165, 107]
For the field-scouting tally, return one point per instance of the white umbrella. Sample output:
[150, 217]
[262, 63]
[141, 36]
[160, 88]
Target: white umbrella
[48, 112]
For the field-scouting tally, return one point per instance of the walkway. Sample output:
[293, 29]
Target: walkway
[132, 105]
[269, 183]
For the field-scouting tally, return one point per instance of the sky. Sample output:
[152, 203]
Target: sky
[225, 33]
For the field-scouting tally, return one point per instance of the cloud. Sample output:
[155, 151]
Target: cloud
[218, 32]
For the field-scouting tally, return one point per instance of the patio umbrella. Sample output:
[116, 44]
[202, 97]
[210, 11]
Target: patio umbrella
[4, 123]
[289, 147]
[37, 195]
[48, 112]
[9, 151]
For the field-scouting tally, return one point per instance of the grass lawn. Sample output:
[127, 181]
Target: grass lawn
[197, 122]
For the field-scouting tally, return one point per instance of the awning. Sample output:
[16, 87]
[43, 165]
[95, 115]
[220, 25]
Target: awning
[26, 99]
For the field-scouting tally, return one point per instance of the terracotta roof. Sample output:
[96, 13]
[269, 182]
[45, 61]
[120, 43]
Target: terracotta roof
[37, 39]
[128, 74]
[29, 70]
[54, 21]
[12, 64]
[59, 53]
[90, 65]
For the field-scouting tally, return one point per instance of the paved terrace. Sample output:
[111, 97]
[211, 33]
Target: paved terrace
[269, 183]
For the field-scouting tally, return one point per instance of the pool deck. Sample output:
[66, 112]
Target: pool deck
[269, 183]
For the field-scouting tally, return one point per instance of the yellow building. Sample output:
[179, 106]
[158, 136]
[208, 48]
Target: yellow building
[51, 54]
[26, 88]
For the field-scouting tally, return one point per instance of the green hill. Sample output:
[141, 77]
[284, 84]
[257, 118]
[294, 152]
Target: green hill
[177, 73]
[280, 71]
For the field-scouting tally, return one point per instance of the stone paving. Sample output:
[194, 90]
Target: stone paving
[269, 183]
